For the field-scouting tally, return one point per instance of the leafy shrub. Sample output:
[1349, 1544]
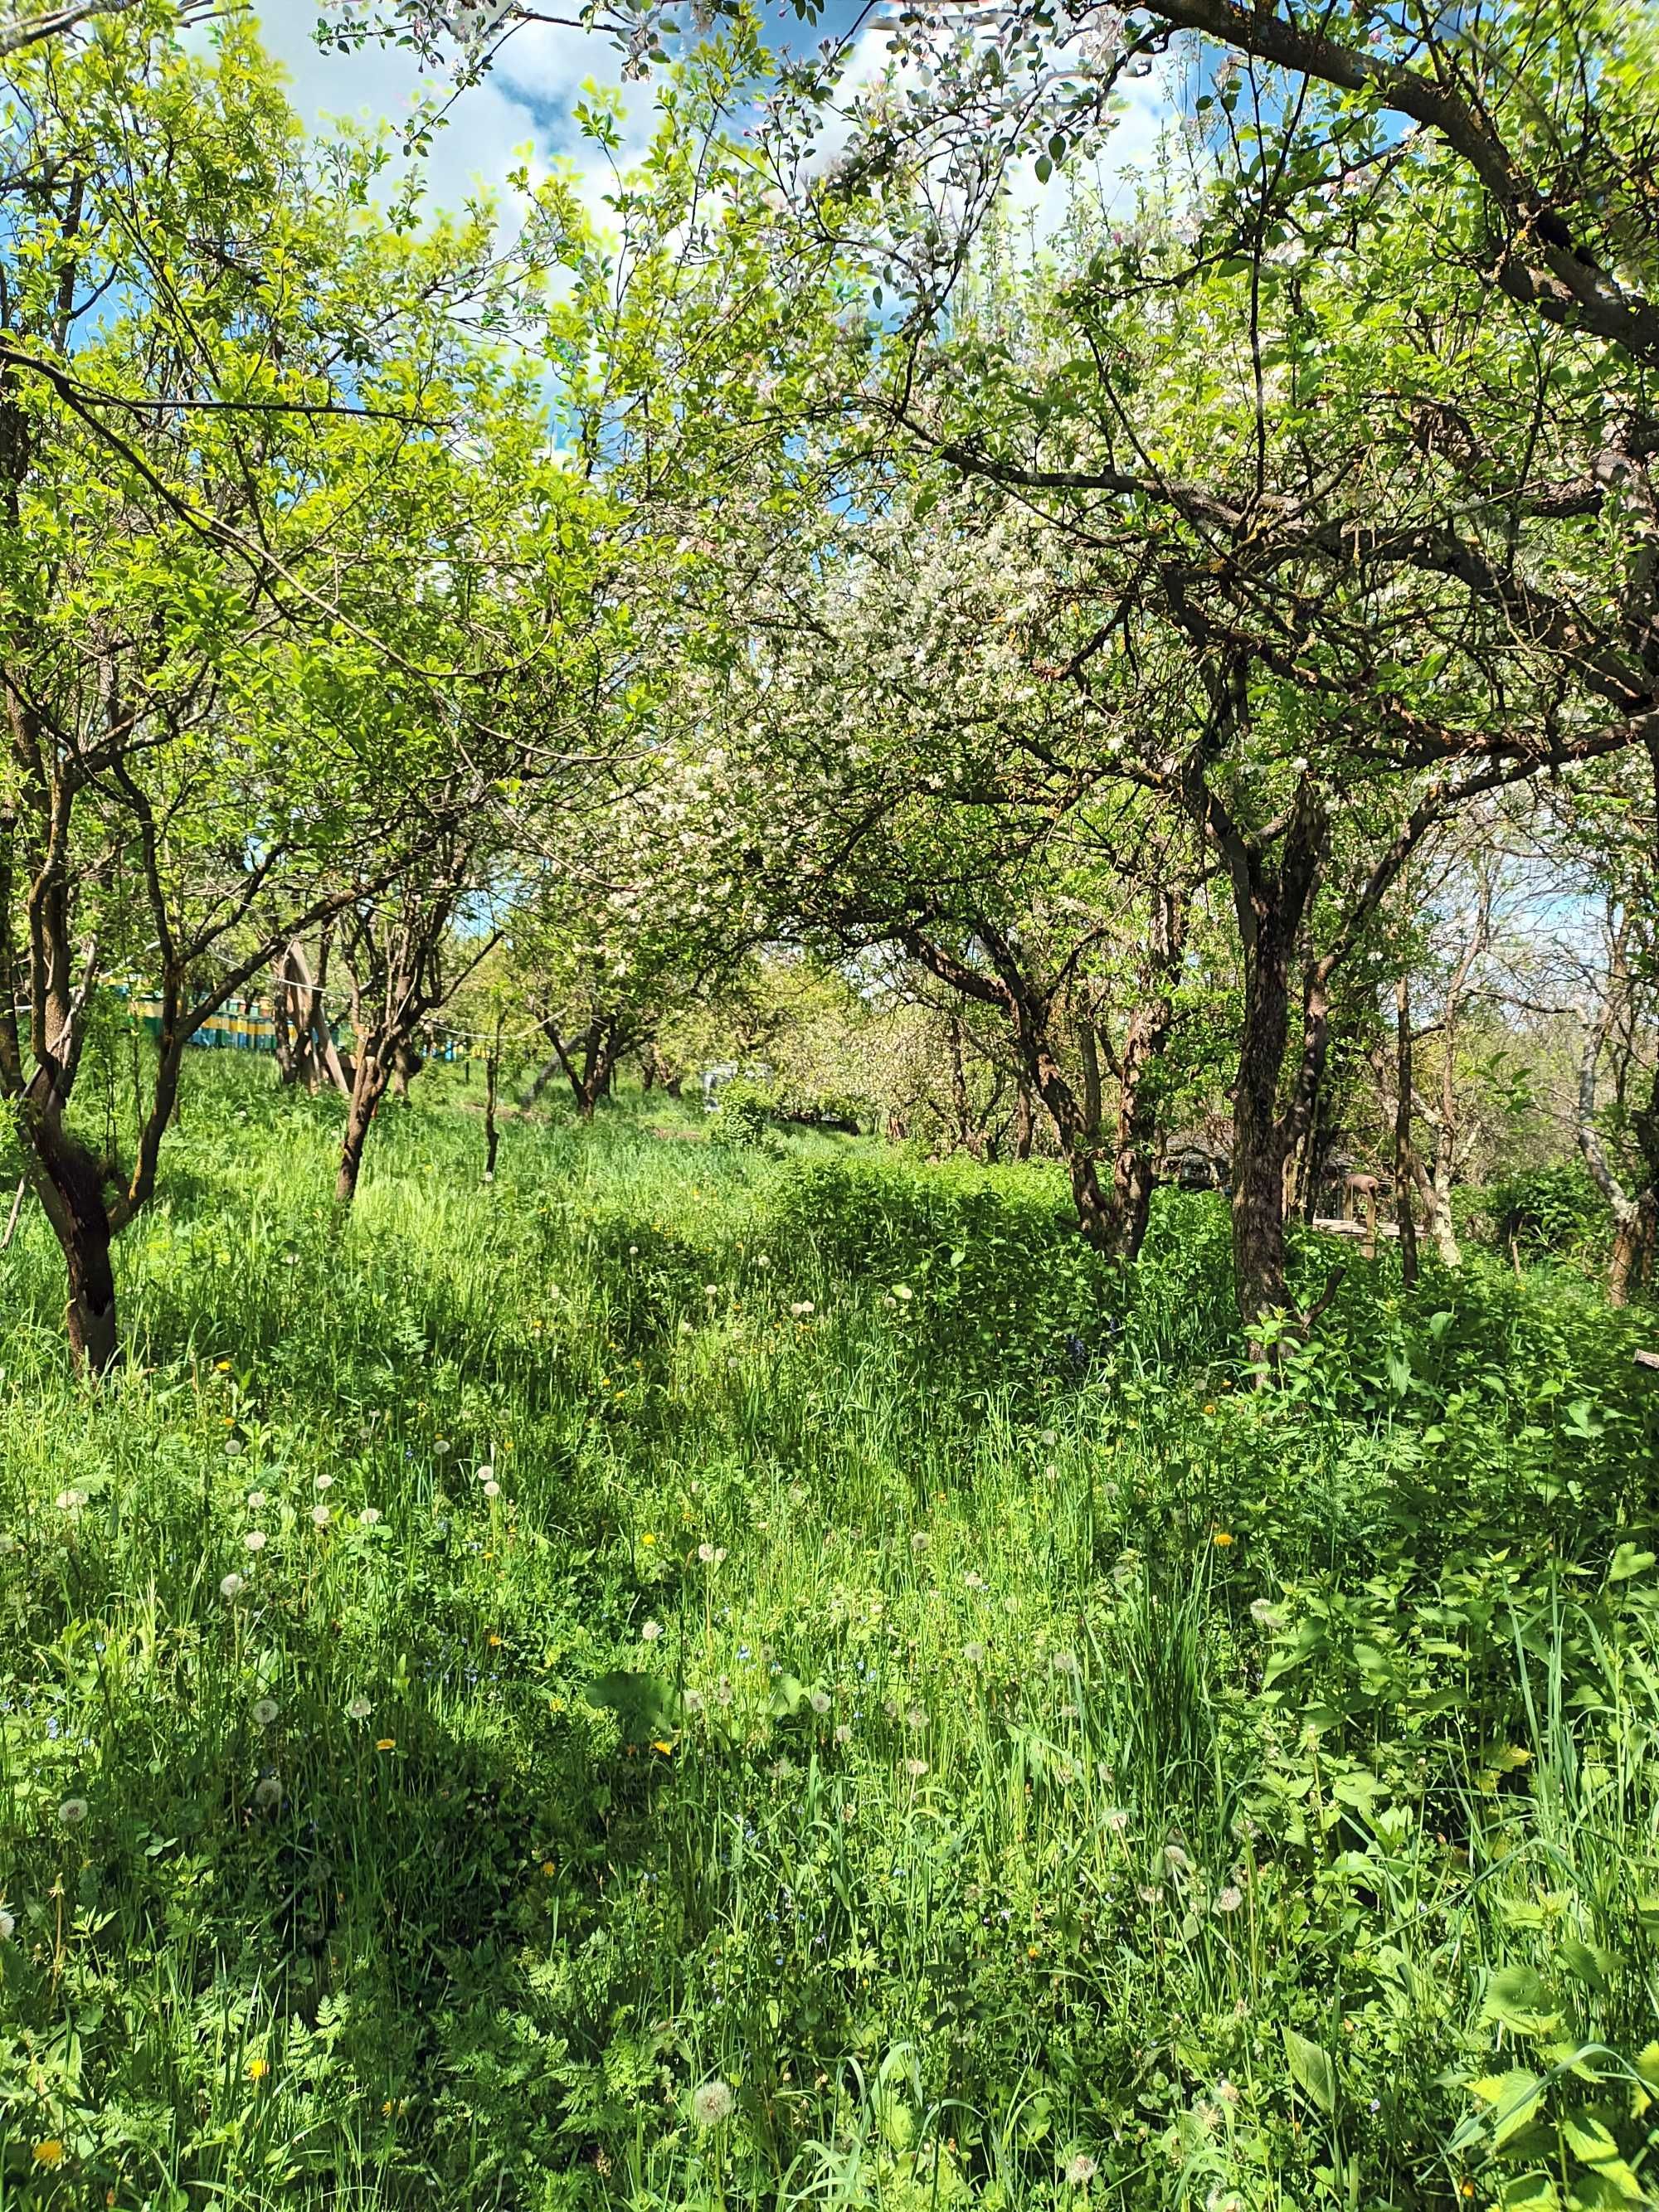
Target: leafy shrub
[743, 1113]
[1553, 1212]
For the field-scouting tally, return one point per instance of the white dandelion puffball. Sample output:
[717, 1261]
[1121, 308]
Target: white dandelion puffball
[268, 1793]
[71, 1501]
[819, 1701]
[255, 1539]
[370, 1517]
[652, 1631]
[321, 1517]
[359, 1709]
[232, 1585]
[486, 1473]
[713, 2103]
[492, 1488]
[73, 1811]
[324, 1482]
[265, 1712]
[8, 1927]
[255, 1501]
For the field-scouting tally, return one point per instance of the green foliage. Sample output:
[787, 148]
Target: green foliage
[1554, 1210]
[744, 1111]
[977, 1758]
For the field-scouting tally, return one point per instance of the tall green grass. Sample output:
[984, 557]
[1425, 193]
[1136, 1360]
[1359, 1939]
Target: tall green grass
[773, 1677]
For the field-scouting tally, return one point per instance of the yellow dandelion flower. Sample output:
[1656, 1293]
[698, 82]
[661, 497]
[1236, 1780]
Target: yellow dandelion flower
[258, 2069]
[49, 2153]
[665, 1748]
[387, 1743]
[1222, 1538]
[549, 1868]
[494, 1642]
[647, 1537]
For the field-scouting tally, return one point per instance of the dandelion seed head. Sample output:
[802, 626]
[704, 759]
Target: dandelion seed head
[359, 1709]
[1080, 2170]
[255, 1539]
[819, 1701]
[232, 1585]
[711, 2103]
[266, 1712]
[321, 1517]
[652, 1631]
[268, 1793]
[73, 1811]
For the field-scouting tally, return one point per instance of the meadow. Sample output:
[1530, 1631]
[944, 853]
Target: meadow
[705, 1676]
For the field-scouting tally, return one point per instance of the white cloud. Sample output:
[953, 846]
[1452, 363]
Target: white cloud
[525, 101]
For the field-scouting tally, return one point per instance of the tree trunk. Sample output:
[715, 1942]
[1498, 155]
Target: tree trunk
[69, 1183]
[1440, 1191]
[1026, 1123]
[1088, 1045]
[1403, 1132]
[367, 1088]
[492, 1070]
[961, 1134]
[1133, 1174]
[1258, 1139]
[406, 1065]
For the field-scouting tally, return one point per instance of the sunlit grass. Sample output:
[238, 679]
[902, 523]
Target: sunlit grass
[790, 1621]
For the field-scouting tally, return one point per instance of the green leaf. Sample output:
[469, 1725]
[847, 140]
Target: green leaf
[1515, 1998]
[1311, 2070]
[1515, 2097]
[1628, 1561]
[643, 1704]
